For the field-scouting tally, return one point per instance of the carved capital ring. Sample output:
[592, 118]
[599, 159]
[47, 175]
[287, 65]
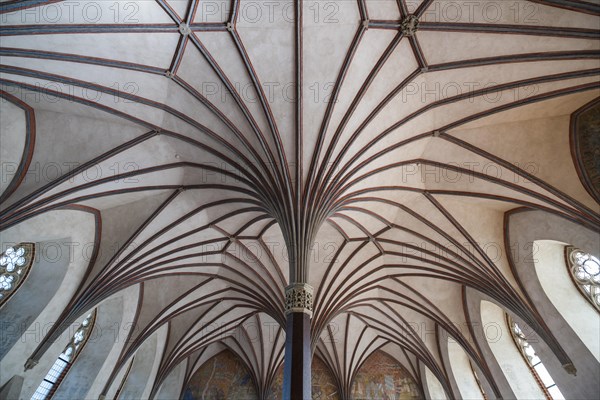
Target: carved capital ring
[299, 298]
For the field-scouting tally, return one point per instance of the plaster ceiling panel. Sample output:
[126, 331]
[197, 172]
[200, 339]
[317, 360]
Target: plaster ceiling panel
[212, 11]
[370, 49]
[379, 156]
[123, 82]
[120, 199]
[197, 72]
[181, 328]
[13, 138]
[439, 117]
[389, 177]
[396, 70]
[333, 276]
[519, 13]
[488, 229]
[552, 144]
[181, 206]
[423, 327]
[128, 47]
[384, 211]
[363, 344]
[413, 5]
[89, 12]
[370, 222]
[476, 168]
[215, 324]
[445, 296]
[180, 7]
[383, 9]
[429, 221]
[191, 250]
[213, 160]
[274, 241]
[336, 348]
[53, 97]
[348, 226]
[186, 112]
[74, 140]
[432, 90]
[161, 258]
[455, 46]
[477, 187]
[435, 87]
[323, 255]
[158, 294]
[233, 223]
[327, 39]
[565, 105]
[194, 229]
[270, 47]
[141, 182]
[352, 269]
[133, 160]
[255, 255]
[143, 112]
[255, 230]
[119, 224]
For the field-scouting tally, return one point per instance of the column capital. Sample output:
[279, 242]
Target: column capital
[299, 299]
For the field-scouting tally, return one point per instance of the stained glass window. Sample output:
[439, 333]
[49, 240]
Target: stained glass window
[539, 371]
[65, 360]
[585, 271]
[15, 264]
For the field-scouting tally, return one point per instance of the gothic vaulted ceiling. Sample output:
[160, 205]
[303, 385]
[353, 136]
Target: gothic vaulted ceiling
[228, 148]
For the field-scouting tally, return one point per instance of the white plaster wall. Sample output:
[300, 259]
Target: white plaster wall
[143, 372]
[171, 387]
[78, 229]
[120, 332]
[34, 376]
[463, 374]
[161, 334]
[434, 387]
[508, 356]
[12, 141]
[560, 289]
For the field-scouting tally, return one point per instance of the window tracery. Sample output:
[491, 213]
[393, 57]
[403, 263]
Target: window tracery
[537, 368]
[15, 264]
[585, 271]
[66, 359]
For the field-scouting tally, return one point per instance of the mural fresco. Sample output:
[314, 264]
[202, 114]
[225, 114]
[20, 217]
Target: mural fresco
[382, 378]
[587, 146]
[323, 383]
[223, 377]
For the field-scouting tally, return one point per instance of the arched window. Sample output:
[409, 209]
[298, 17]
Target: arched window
[478, 381]
[585, 271]
[539, 371]
[15, 264]
[65, 360]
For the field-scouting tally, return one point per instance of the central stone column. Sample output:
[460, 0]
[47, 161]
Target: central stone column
[298, 356]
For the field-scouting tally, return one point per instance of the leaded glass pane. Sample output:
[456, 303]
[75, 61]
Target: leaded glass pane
[537, 367]
[15, 263]
[65, 359]
[585, 270]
